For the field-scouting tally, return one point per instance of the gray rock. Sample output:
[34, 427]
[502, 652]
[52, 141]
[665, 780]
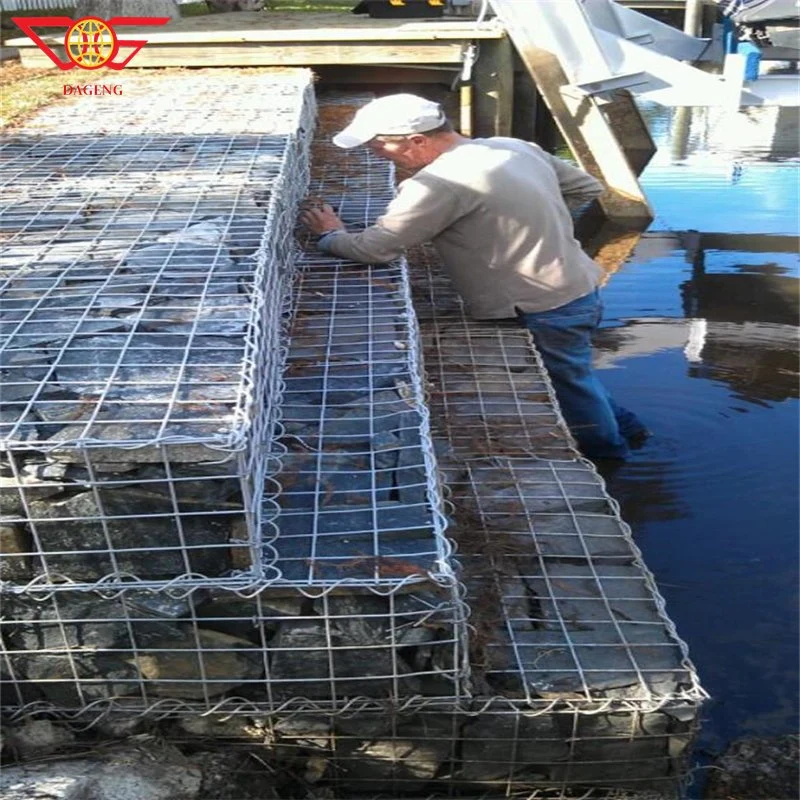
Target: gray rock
[113, 648]
[364, 724]
[37, 256]
[512, 489]
[32, 217]
[15, 545]
[579, 535]
[499, 745]
[160, 604]
[594, 661]
[147, 546]
[412, 472]
[620, 748]
[199, 664]
[756, 769]
[244, 234]
[216, 728]
[120, 727]
[339, 543]
[133, 222]
[234, 774]
[495, 409]
[17, 427]
[143, 774]
[211, 487]
[178, 257]
[86, 658]
[343, 389]
[142, 367]
[254, 618]
[587, 595]
[310, 661]
[356, 620]
[37, 737]
[497, 612]
[403, 762]
[120, 435]
[330, 480]
[211, 315]
[40, 329]
[11, 500]
[349, 425]
[35, 361]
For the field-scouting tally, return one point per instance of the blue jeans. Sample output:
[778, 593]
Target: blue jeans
[563, 337]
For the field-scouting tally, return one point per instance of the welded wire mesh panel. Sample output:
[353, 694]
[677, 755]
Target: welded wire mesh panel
[567, 625]
[359, 501]
[488, 391]
[567, 609]
[355, 518]
[356, 485]
[490, 751]
[354, 662]
[567, 612]
[175, 652]
[143, 278]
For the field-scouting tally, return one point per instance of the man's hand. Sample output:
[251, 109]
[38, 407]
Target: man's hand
[319, 217]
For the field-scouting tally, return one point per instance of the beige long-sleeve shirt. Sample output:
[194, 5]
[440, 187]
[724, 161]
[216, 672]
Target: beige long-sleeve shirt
[497, 212]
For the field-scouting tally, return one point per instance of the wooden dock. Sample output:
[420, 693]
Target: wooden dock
[357, 49]
[346, 47]
[493, 74]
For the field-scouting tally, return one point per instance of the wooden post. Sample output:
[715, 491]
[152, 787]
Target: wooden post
[591, 139]
[465, 100]
[579, 116]
[493, 82]
[693, 17]
[631, 130]
[526, 103]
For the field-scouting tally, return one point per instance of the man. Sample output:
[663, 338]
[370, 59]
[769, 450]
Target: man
[497, 211]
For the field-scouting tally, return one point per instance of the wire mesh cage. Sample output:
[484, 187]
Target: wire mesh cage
[449, 604]
[137, 651]
[144, 279]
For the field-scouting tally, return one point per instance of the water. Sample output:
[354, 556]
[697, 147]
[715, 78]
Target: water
[704, 347]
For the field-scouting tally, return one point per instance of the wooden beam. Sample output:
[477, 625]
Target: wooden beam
[746, 242]
[630, 129]
[386, 73]
[493, 82]
[273, 54]
[582, 123]
[332, 27]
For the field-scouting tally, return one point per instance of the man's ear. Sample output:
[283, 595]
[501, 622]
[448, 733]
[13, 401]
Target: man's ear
[417, 138]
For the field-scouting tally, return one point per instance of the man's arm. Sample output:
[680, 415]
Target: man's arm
[424, 206]
[577, 186]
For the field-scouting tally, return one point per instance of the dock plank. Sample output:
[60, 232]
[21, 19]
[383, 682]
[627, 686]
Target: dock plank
[287, 28]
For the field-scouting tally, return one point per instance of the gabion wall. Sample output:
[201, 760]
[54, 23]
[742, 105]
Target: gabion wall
[142, 303]
[297, 596]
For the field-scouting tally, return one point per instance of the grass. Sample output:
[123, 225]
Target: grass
[23, 90]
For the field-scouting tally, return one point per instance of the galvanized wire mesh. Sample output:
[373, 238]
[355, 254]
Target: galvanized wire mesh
[357, 522]
[568, 609]
[142, 302]
[352, 658]
[354, 595]
[359, 503]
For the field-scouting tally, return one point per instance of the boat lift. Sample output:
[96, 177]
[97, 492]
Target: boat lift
[591, 58]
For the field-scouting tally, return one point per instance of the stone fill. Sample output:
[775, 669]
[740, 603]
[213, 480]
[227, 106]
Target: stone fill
[143, 280]
[366, 651]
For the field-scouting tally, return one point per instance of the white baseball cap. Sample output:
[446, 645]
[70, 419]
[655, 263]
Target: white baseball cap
[393, 115]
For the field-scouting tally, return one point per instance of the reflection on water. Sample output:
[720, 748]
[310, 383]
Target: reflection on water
[718, 169]
[700, 338]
